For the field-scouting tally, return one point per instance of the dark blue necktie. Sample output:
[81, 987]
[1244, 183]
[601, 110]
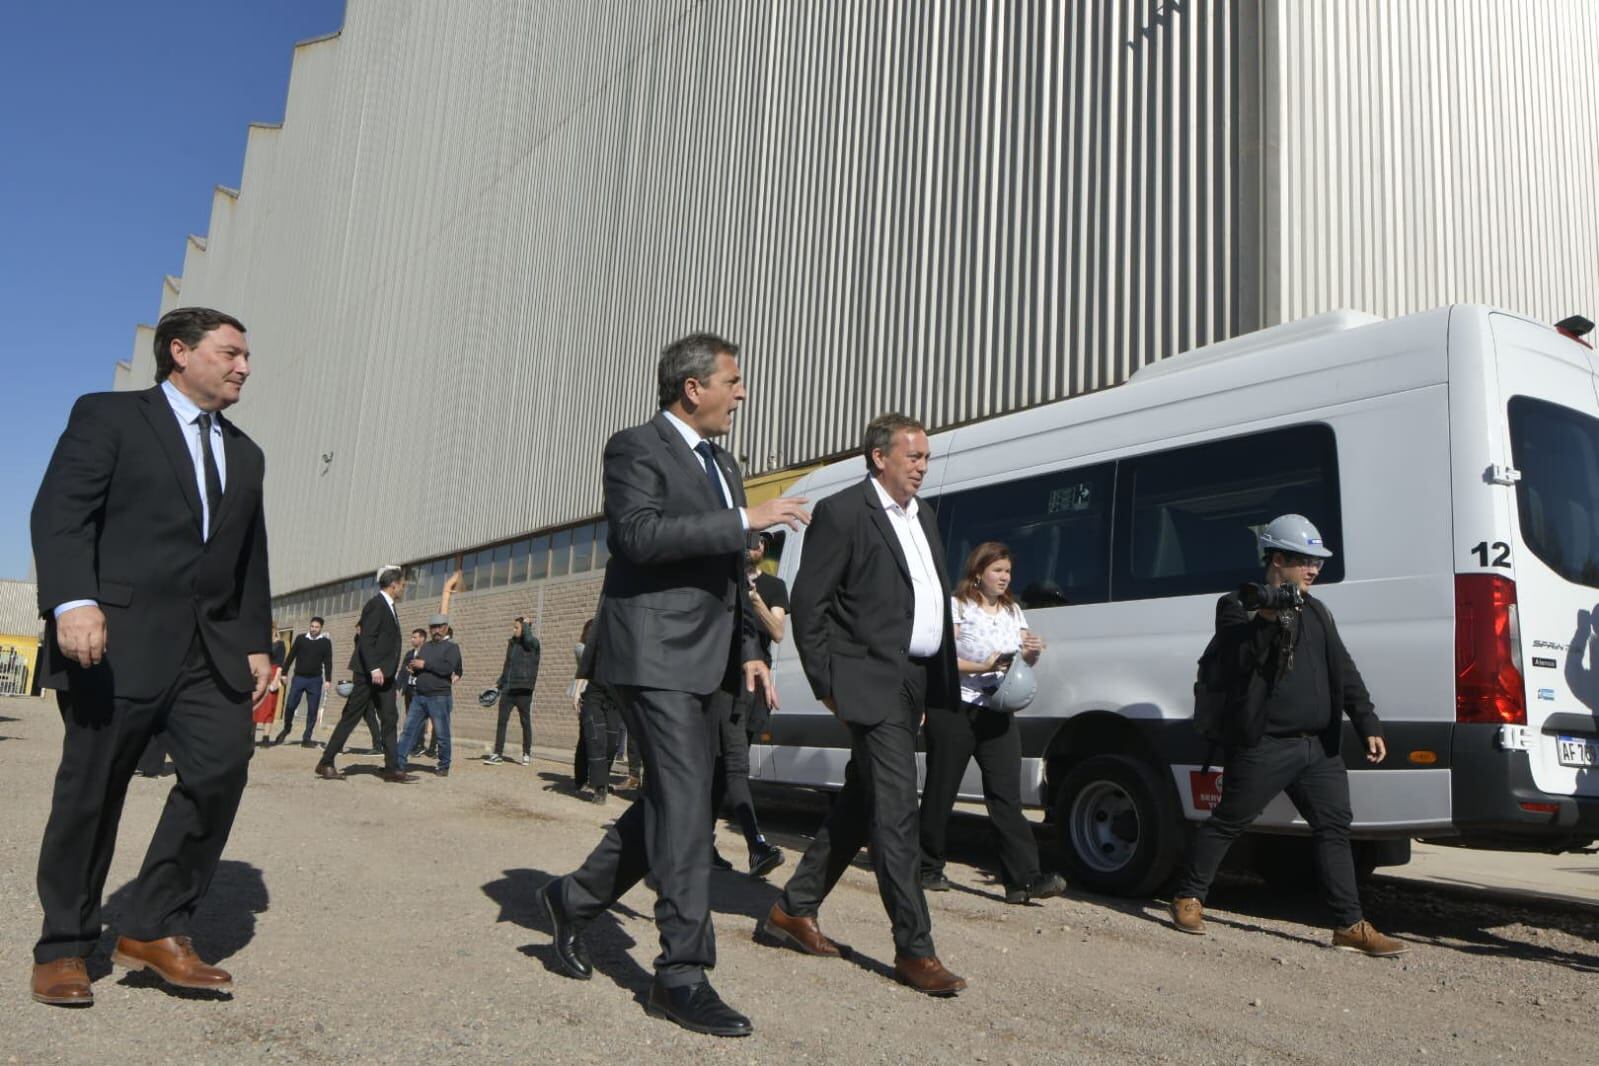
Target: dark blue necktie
[704, 448]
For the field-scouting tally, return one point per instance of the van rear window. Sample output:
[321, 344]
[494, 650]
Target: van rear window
[1557, 451]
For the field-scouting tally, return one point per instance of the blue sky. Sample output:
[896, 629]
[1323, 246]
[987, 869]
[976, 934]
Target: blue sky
[116, 120]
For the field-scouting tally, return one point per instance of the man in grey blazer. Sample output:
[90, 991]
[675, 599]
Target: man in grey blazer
[673, 626]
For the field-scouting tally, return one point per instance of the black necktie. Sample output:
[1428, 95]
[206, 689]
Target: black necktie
[213, 478]
[704, 448]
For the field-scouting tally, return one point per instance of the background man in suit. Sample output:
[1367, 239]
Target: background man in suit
[872, 626]
[672, 628]
[151, 549]
[376, 663]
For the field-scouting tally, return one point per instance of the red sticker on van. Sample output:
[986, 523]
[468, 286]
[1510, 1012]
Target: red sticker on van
[1206, 789]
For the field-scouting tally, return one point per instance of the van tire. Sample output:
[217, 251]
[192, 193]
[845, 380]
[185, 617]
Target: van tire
[1118, 826]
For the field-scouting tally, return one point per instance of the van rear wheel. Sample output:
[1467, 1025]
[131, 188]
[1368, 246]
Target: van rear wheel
[1118, 825]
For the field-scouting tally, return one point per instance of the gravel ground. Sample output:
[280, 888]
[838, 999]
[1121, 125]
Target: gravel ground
[372, 923]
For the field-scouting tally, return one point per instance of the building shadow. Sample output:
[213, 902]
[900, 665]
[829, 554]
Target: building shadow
[224, 924]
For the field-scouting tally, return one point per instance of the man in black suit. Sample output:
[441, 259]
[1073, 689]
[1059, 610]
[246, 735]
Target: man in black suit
[871, 610]
[376, 664]
[673, 627]
[151, 550]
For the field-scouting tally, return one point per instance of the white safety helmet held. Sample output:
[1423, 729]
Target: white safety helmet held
[1294, 534]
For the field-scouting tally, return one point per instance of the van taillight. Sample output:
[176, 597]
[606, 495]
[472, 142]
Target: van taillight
[1488, 686]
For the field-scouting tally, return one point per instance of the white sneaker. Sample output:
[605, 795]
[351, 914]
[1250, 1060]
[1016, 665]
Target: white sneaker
[493, 758]
[526, 758]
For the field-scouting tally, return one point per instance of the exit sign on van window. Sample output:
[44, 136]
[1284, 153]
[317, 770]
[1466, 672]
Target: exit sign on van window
[1206, 789]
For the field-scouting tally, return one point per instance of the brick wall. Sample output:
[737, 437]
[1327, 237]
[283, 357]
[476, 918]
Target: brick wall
[482, 623]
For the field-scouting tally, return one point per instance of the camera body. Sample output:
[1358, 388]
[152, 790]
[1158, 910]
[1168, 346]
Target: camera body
[1284, 597]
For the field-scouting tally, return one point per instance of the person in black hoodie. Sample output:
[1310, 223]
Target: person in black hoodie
[1289, 681]
[517, 678]
[311, 657]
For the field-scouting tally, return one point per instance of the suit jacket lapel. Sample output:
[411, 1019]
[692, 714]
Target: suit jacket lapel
[678, 447]
[935, 545]
[874, 505]
[158, 412]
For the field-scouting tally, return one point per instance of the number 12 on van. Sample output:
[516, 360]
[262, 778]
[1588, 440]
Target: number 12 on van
[1206, 789]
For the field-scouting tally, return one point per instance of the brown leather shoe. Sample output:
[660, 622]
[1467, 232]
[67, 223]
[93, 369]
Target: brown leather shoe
[927, 975]
[397, 777]
[62, 983]
[1188, 914]
[801, 934]
[1363, 936]
[173, 960]
[328, 773]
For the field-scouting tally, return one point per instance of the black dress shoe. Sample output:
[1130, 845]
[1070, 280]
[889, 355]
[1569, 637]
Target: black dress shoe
[764, 858]
[719, 863]
[570, 951]
[696, 1008]
[936, 882]
[1039, 886]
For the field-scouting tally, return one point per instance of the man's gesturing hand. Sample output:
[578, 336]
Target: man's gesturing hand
[785, 510]
[261, 670]
[758, 673]
[80, 634]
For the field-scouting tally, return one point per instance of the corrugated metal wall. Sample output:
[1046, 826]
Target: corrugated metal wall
[1431, 152]
[481, 219]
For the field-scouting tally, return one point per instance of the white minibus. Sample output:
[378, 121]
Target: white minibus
[1450, 460]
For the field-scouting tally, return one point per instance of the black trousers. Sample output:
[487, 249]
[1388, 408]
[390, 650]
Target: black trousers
[877, 805]
[1318, 785]
[954, 737]
[205, 726]
[664, 835]
[731, 757]
[600, 730]
[364, 700]
[520, 700]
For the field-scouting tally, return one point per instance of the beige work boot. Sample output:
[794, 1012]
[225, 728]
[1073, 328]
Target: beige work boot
[1189, 915]
[1363, 936]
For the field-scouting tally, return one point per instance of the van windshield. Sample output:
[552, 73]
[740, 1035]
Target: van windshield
[1557, 451]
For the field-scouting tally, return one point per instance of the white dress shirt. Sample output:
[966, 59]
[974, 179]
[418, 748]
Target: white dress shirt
[927, 631]
[188, 415]
[692, 439]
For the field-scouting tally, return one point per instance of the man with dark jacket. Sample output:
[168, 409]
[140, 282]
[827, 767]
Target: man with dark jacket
[873, 627]
[376, 663]
[151, 546]
[437, 666]
[1288, 681]
[311, 656]
[517, 678]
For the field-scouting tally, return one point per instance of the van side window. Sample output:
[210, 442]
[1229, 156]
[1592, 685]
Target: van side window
[1057, 526]
[1187, 519]
[1557, 500]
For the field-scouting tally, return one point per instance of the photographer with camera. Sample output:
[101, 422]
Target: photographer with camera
[1287, 681]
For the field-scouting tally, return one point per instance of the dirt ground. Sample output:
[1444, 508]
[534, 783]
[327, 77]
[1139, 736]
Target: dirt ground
[369, 922]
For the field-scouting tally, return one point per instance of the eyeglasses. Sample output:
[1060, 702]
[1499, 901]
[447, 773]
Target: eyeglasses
[1310, 562]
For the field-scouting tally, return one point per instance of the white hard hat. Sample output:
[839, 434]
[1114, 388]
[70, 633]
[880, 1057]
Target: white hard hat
[1294, 534]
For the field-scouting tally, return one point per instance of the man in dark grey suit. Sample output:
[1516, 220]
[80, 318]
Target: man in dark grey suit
[871, 610]
[673, 627]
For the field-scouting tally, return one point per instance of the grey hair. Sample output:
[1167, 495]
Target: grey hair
[880, 434]
[694, 357]
[389, 575]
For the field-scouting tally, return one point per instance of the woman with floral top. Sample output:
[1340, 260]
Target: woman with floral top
[990, 632]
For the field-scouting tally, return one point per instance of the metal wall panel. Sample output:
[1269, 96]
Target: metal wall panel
[1430, 152]
[481, 219]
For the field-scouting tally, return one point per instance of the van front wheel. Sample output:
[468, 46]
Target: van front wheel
[1119, 830]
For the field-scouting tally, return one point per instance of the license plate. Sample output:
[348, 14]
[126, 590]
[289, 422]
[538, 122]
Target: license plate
[1577, 751]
